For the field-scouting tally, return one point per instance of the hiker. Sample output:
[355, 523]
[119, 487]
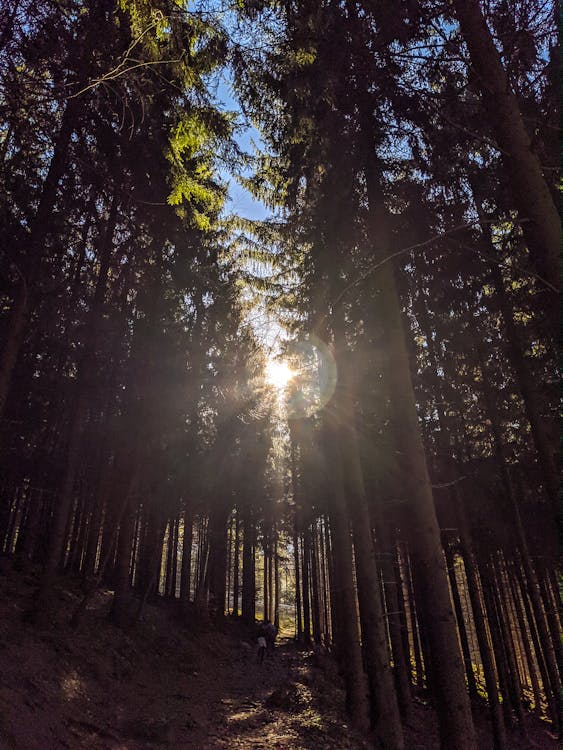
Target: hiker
[270, 633]
[261, 648]
[262, 639]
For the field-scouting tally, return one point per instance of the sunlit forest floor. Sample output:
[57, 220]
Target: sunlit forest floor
[162, 686]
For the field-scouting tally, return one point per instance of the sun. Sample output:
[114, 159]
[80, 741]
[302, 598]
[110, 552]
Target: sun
[278, 373]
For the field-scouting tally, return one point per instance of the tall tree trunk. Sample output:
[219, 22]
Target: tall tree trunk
[248, 566]
[236, 565]
[276, 617]
[266, 579]
[349, 651]
[306, 590]
[121, 600]
[57, 537]
[297, 563]
[315, 594]
[548, 646]
[39, 229]
[480, 620]
[420, 666]
[526, 639]
[499, 649]
[325, 578]
[454, 711]
[503, 618]
[522, 369]
[546, 682]
[394, 617]
[186, 571]
[385, 709]
[469, 674]
[218, 560]
[531, 194]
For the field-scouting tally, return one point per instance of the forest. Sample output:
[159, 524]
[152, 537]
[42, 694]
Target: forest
[335, 408]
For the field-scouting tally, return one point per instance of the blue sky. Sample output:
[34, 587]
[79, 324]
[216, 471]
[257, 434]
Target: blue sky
[240, 202]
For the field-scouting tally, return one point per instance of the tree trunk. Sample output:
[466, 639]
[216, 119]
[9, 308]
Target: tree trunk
[236, 565]
[394, 618]
[531, 194]
[479, 618]
[57, 537]
[315, 595]
[454, 711]
[296, 563]
[526, 641]
[186, 572]
[548, 646]
[218, 521]
[121, 600]
[348, 641]
[248, 567]
[385, 709]
[276, 618]
[546, 682]
[306, 590]
[39, 229]
[521, 367]
[266, 579]
[469, 674]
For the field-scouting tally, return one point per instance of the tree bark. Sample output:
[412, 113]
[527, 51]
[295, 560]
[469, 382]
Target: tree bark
[386, 719]
[348, 642]
[480, 620]
[531, 194]
[218, 521]
[39, 229]
[248, 567]
[454, 711]
[186, 570]
[236, 565]
[57, 537]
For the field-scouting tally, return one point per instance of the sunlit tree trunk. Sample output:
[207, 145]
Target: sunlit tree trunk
[526, 639]
[305, 588]
[276, 617]
[187, 542]
[248, 566]
[548, 646]
[236, 564]
[480, 619]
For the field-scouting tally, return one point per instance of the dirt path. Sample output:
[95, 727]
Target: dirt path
[159, 687]
[277, 705]
[162, 687]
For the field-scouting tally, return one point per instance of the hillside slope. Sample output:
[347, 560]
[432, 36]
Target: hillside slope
[162, 686]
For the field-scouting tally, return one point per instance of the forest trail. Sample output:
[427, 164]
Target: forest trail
[289, 702]
[158, 686]
[161, 686]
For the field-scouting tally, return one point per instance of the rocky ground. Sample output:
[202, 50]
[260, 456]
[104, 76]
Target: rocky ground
[162, 686]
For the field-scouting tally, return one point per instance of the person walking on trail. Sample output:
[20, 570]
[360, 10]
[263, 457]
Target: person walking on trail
[270, 634]
[262, 641]
[262, 645]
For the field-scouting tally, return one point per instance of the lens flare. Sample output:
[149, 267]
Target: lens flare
[308, 393]
[278, 373]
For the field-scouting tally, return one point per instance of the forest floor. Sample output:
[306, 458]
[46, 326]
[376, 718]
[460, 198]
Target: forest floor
[160, 686]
